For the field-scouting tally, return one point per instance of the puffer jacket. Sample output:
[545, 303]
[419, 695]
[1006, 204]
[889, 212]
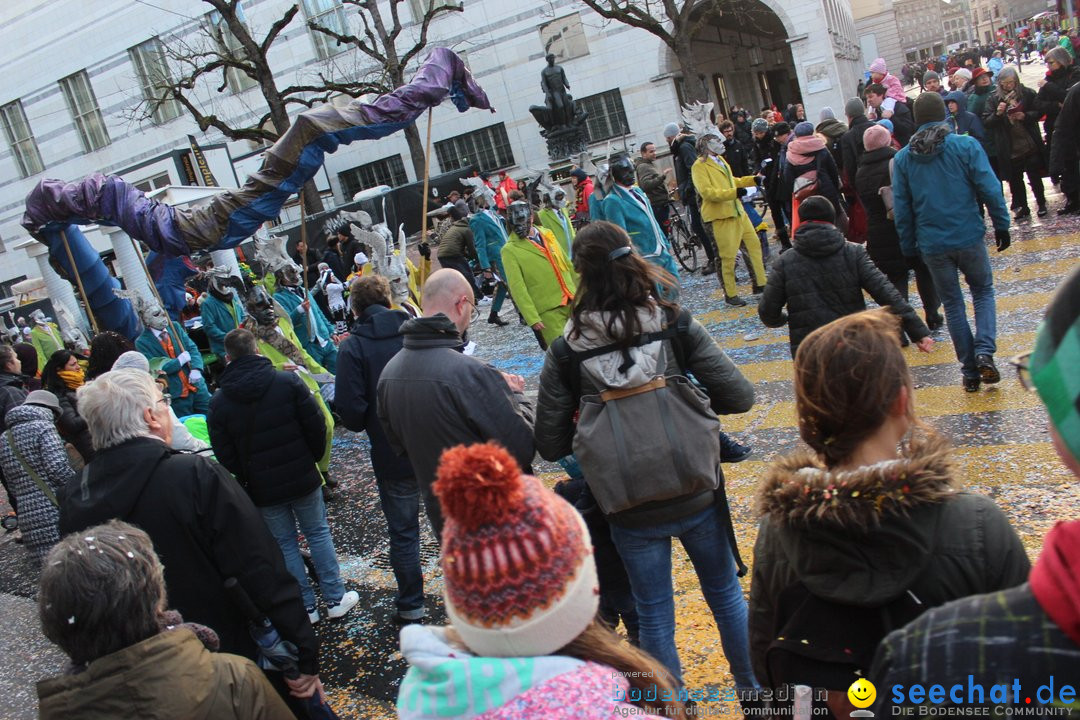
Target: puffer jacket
[833, 131]
[267, 429]
[824, 280]
[12, 394]
[882, 242]
[851, 146]
[167, 676]
[866, 536]
[805, 154]
[72, 426]
[31, 429]
[729, 392]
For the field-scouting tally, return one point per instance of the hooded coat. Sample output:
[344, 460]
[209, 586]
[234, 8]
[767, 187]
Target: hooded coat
[205, 529]
[167, 676]
[805, 154]
[729, 392]
[938, 158]
[866, 536]
[268, 430]
[964, 122]
[373, 339]
[1052, 94]
[822, 280]
[882, 242]
[851, 145]
[1066, 145]
[552, 687]
[12, 394]
[833, 130]
[1032, 631]
[31, 429]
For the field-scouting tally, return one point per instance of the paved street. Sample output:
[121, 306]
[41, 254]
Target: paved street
[1002, 449]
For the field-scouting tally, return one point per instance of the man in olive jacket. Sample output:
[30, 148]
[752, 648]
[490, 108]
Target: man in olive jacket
[457, 245]
[432, 396]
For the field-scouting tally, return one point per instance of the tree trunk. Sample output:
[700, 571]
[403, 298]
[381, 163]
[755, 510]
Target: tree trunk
[694, 87]
[416, 149]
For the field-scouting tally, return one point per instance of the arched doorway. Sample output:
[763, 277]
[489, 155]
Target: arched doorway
[746, 59]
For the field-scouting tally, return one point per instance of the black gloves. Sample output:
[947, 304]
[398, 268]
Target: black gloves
[740, 192]
[759, 179]
[425, 250]
[1002, 238]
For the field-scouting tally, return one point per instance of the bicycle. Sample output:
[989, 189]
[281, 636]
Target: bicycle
[684, 243]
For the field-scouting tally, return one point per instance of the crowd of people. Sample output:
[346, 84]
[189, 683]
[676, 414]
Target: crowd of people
[176, 516]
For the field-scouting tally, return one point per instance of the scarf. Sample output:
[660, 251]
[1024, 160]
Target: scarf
[73, 379]
[801, 150]
[541, 241]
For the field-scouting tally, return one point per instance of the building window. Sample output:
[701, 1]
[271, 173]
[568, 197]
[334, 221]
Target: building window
[721, 93]
[330, 15]
[21, 139]
[607, 119]
[487, 148]
[229, 46]
[6, 292]
[158, 181]
[388, 171]
[155, 79]
[419, 8]
[564, 38]
[84, 111]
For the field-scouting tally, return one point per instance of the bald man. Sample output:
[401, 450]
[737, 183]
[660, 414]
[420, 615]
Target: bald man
[433, 397]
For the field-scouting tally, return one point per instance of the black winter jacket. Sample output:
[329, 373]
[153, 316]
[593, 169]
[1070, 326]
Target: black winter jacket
[1066, 145]
[737, 159]
[997, 129]
[824, 279]
[1053, 92]
[433, 397]
[71, 425]
[268, 430]
[373, 339]
[890, 528]
[684, 156]
[205, 529]
[12, 394]
[851, 147]
[882, 241]
[903, 122]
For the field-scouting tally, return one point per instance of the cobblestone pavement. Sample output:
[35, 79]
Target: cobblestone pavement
[1002, 449]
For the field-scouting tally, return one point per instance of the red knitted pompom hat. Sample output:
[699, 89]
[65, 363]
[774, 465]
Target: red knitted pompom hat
[520, 579]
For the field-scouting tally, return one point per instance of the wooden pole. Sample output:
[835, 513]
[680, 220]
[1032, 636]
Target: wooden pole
[304, 262]
[427, 165]
[79, 283]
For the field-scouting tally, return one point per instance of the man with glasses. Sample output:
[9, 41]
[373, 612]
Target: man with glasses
[432, 396]
[1030, 633]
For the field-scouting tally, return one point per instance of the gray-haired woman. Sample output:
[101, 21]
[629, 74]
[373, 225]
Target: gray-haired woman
[102, 600]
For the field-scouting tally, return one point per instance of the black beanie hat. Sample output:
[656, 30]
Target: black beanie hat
[929, 107]
[817, 208]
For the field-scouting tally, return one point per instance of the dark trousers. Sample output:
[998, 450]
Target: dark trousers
[698, 228]
[400, 500]
[460, 264]
[1031, 165]
[924, 281]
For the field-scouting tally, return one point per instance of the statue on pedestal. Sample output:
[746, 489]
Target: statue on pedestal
[561, 119]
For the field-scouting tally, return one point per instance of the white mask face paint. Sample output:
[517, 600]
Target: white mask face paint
[715, 146]
[559, 201]
[155, 318]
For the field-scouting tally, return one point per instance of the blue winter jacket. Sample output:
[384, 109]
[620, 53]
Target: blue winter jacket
[964, 122]
[937, 160]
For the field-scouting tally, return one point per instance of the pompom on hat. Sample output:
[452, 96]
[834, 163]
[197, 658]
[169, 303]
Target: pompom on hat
[520, 578]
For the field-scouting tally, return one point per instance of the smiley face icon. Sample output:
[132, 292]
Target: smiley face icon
[862, 693]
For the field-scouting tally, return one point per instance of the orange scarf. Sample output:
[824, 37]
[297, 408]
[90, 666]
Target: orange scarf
[167, 344]
[567, 296]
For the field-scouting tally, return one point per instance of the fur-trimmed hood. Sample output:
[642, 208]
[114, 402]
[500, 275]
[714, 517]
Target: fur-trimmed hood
[865, 533]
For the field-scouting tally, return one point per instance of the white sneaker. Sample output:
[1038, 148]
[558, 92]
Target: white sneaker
[313, 615]
[348, 602]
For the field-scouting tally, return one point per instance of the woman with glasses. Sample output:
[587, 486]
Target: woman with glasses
[869, 527]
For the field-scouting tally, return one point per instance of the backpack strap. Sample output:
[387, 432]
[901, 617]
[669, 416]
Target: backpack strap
[676, 328]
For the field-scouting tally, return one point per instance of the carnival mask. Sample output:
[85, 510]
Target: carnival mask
[520, 215]
[715, 145]
[261, 307]
[154, 317]
[558, 200]
[622, 169]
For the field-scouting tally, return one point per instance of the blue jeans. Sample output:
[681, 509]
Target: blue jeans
[974, 263]
[310, 512]
[400, 500]
[646, 552]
